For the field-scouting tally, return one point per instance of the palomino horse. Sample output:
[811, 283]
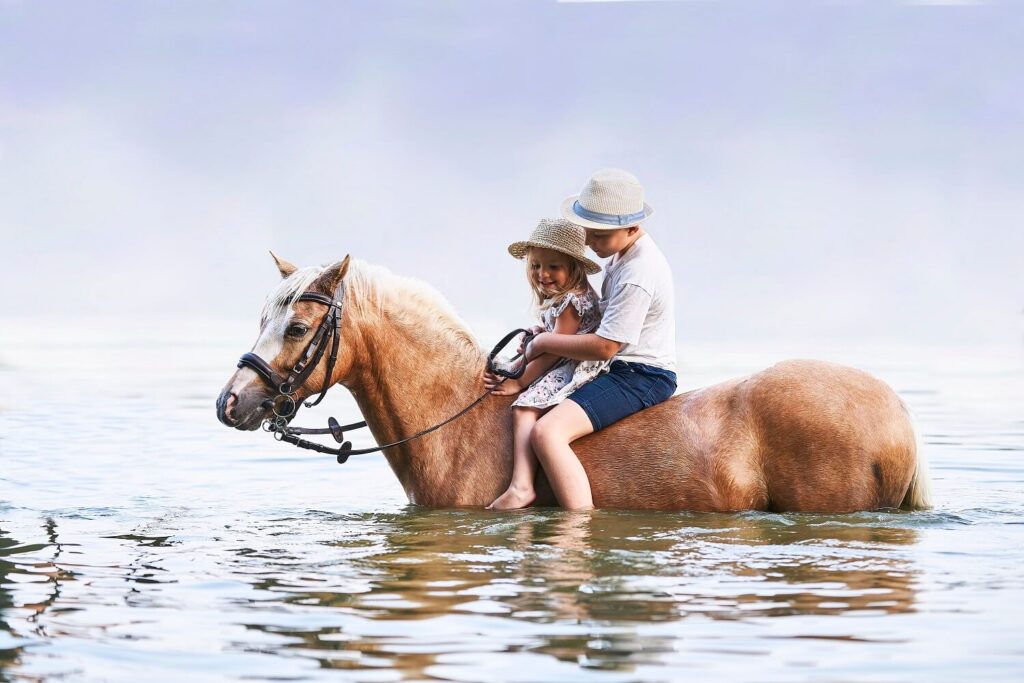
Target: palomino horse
[800, 436]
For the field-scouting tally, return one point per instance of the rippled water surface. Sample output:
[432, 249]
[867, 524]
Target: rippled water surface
[141, 540]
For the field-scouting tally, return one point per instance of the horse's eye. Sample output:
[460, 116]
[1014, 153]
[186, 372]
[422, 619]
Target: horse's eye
[297, 330]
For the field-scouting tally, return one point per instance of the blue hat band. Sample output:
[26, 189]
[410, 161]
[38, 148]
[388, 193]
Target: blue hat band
[607, 218]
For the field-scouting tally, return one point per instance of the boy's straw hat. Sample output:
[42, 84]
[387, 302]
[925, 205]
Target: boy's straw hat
[611, 199]
[560, 235]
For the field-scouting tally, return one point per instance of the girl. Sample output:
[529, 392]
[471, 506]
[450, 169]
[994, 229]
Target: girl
[557, 271]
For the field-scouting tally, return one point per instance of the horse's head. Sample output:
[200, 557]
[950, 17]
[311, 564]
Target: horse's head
[292, 358]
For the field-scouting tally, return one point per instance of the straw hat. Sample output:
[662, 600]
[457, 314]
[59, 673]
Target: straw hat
[563, 236]
[611, 199]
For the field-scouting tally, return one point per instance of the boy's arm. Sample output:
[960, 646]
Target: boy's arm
[622, 322]
[578, 346]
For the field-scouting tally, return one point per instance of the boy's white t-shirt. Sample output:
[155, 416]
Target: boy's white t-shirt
[638, 306]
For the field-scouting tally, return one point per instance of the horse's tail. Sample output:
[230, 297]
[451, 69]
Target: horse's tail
[919, 493]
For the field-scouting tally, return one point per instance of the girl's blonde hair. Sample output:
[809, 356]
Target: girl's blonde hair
[575, 282]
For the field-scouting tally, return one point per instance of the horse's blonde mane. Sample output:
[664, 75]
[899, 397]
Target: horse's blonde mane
[406, 298]
[281, 298]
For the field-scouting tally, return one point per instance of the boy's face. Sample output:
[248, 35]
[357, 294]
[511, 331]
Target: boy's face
[611, 241]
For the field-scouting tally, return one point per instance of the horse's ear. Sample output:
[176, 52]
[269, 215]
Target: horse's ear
[283, 266]
[333, 275]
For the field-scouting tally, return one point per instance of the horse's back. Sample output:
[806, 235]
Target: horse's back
[799, 436]
[688, 453]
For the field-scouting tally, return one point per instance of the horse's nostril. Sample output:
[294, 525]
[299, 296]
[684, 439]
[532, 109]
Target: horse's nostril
[229, 405]
[226, 404]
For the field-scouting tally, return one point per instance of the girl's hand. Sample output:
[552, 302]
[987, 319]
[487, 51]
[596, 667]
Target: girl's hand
[494, 384]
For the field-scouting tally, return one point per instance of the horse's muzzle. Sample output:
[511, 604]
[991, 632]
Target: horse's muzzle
[240, 413]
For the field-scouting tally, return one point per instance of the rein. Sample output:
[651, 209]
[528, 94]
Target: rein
[285, 406]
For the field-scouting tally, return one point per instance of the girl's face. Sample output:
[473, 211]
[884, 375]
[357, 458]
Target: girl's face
[549, 270]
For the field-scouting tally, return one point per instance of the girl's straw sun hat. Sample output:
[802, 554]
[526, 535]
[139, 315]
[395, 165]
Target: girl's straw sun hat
[560, 235]
[611, 199]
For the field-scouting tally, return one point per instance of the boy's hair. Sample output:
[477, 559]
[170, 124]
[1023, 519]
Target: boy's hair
[575, 282]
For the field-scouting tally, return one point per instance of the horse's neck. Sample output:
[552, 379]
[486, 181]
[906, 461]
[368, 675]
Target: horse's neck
[412, 370]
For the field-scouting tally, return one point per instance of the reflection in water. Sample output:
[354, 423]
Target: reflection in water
[20, 565]
[580, 583]
[8, 654]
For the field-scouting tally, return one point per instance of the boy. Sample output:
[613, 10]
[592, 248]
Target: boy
[637, 331]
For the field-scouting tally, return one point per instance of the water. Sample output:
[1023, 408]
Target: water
[142, 540]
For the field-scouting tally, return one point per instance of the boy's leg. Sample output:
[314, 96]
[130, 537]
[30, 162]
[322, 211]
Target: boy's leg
[520, 491]
[551, 437]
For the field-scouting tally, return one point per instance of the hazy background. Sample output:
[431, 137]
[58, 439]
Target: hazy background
[820, 170]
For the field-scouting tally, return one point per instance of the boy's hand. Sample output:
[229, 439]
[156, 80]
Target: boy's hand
[531, 332]
[531, 352]
[494, 384]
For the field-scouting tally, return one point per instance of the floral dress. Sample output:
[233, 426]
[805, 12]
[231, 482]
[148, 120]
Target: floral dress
[568, 375]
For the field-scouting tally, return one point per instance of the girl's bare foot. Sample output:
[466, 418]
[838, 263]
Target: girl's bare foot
[513, 499]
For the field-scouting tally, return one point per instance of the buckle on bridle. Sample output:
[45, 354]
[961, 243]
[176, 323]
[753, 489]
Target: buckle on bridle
[287, 407]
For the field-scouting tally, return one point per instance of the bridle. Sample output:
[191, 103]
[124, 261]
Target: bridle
[329, 330]
[285, 405]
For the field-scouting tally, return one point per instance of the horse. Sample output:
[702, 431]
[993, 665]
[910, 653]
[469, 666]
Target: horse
[799, 436]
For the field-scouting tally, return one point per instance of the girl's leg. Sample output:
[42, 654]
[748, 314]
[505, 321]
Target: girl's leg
[520, 492]
[551, 437]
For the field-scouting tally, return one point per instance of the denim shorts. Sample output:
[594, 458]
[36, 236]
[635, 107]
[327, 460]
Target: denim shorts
[625, 389]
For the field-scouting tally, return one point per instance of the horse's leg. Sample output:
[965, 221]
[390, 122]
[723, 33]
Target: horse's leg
[551, 438]
[520, 491]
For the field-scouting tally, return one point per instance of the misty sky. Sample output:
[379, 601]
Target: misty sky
[845, 170]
